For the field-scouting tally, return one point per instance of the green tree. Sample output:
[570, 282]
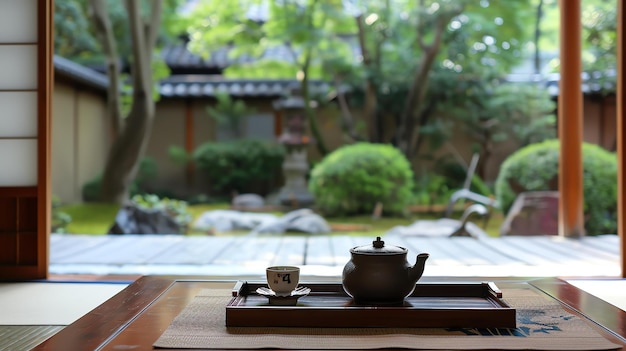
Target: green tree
[76, 37]
[125, 36]
[599, 33]
[129, 146]
[72, 35]
[230, 113]
[426, 60]
[307, 31]
[408, 61]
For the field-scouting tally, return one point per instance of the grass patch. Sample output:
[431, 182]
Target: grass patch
[90, 218]
[97, 218]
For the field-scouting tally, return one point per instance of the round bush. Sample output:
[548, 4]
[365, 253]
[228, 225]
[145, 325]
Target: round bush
[353, 178]
[535, 167]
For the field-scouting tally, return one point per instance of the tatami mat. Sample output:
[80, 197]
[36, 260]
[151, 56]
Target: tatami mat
[44, 303]
[61, 303]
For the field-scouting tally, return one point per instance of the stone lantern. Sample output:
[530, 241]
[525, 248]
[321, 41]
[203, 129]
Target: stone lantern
[294, 137]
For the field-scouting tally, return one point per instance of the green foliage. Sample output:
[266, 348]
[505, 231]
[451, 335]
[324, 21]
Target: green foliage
[60, 219]
[353, 178]
[178, 154]
[75, 37]
[432, 189]
[92, 189]
[496, 111]
[599, 34]
[176, 209]
[229, 113]
[308, 29]
[72, 30]
[535, 168]
[242, 166]
[147, 170]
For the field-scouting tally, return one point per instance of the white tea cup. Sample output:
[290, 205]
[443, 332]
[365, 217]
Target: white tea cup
[283, 279]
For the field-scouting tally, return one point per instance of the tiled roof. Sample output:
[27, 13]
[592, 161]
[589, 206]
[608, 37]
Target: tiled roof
[592, 83]
[177, 56]
[210, 86]
[80, 73]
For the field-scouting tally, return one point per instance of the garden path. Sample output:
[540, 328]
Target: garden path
[325, 255]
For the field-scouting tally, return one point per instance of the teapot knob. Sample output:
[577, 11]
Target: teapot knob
[378, 243]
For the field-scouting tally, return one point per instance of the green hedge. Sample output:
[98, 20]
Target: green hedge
[535, 168]
[242, 166]
[353, 178]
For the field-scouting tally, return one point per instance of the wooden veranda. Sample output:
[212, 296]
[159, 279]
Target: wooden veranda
[325, 255]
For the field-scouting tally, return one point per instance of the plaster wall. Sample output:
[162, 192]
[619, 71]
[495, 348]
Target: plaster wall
[80, 139]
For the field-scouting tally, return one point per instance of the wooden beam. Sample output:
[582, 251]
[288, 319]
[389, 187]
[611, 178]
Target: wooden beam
[571, 223]
[45, 84]
[621, 134]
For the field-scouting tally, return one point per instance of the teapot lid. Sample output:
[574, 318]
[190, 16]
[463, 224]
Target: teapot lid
[378, 248]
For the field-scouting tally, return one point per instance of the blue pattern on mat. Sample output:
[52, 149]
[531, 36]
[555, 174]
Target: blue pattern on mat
[527, 325]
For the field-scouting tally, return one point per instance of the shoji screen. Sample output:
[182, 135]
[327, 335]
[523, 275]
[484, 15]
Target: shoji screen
[25, 95]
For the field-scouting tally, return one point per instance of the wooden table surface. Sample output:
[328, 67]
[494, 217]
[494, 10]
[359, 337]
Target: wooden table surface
[136, 317]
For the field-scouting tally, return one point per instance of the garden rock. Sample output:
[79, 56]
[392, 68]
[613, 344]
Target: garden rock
[131, 219]
[443, 227]
[228, 220]
[244, 201]
[302, 220]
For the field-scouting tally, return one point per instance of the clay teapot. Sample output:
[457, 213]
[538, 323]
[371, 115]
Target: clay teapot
[381, 275]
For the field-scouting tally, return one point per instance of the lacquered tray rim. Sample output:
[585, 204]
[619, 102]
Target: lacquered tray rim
[501, 310]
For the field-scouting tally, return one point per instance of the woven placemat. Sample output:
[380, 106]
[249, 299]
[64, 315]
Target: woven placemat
[542, 325]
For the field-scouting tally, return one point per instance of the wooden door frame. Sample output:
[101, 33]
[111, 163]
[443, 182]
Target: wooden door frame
[621, 133]
[27, 218]
[42, 191]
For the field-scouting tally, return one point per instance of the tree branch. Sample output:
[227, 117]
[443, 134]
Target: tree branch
[346, 116]
[104, 31]
[419, 86]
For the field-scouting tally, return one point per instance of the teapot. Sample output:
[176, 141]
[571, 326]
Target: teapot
[381, 275]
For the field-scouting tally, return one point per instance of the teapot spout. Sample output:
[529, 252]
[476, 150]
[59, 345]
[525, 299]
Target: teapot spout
[415, 272]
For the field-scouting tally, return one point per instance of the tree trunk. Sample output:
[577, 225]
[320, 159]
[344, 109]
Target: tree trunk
[408, 131]
[129, 146]
[320, 143]
[371, 102]
[538, 37]
[104, 32]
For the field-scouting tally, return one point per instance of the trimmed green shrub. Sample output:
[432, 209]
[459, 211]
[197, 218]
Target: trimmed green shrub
[353, 178]
[535, 168]
[243, 165]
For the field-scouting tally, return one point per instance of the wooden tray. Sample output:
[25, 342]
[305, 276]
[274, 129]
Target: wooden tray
[432, 305]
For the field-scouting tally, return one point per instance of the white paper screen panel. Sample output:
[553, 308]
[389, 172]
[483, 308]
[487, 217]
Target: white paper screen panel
[18, 67]
[18, 114]
[18, 162]
[18, 21]
[18, 93]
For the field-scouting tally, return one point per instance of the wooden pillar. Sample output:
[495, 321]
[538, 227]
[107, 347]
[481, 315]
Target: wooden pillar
[571, 223]
[278, 123]
[621, 134]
